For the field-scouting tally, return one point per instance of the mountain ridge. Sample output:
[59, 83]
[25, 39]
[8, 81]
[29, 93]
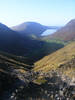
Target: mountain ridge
[66, 33]
[28, 28]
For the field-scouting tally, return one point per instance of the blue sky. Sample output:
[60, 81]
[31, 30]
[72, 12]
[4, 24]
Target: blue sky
[47, 12]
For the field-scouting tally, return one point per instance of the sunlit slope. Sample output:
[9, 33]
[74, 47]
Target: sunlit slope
[57, 59]
[66, 33]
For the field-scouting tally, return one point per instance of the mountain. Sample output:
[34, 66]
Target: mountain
[10, 41]
[63, 59]
[30, 28]
[66, 33]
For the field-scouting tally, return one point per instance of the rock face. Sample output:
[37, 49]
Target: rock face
[30, 28]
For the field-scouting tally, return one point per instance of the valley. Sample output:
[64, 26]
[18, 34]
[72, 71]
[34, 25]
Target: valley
[35, 67]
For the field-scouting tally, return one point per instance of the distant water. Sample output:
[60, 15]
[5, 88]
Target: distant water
[48, 32]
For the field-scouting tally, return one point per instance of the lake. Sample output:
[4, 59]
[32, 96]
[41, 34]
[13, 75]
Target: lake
[48, 32]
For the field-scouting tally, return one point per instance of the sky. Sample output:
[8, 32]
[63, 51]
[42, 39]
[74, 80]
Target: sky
[46, 12]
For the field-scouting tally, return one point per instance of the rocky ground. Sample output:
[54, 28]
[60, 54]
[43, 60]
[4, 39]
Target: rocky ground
[56, 87]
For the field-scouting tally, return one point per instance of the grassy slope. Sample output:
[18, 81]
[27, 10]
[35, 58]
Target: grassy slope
[56, 59]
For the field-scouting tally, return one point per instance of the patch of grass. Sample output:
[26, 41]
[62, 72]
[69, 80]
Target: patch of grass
[40, 81]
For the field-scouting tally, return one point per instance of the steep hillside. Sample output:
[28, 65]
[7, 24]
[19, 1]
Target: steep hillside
[66, 33]
[30, 28]
[8, 62]
[59, 59]
[11, 41]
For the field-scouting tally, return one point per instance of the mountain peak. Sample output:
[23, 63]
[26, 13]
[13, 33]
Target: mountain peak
[1, 24]
[3, 27]
[72, 22]
[29, 28]
[30, 22]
